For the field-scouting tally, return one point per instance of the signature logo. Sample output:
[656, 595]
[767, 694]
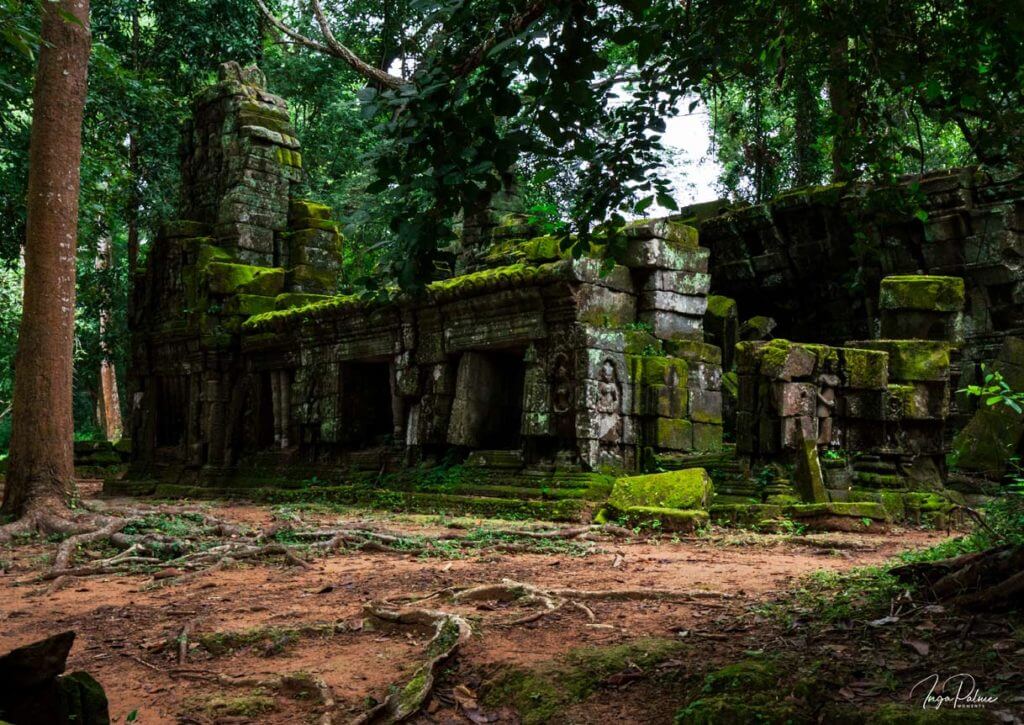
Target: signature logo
[959, 691]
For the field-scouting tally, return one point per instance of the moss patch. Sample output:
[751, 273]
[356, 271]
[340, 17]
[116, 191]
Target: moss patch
[540, 693]
[227, 278]
[687, 489]
[922, 292]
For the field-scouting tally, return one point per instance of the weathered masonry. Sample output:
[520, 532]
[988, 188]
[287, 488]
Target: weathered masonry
[528, 380]
[247, 365]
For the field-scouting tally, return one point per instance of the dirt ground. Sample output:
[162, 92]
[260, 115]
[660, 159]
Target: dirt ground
[128, 626]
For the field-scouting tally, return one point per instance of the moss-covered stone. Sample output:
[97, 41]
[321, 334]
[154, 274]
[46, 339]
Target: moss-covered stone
[666, 519]
[864, 369]
[922, 292]
[913, 360]
[248, 305]
[660, 370]
[687, 489]
[721, 306]
[675, 434]
[747, 691]
[694, 351]
[855, 509]
[227, 278]
[297, 299]
[300, 209]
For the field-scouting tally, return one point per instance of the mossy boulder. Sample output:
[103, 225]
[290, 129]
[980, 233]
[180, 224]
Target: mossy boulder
[687, 489]
[922, 292]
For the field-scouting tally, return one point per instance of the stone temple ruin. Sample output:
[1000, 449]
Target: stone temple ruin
[532, 382]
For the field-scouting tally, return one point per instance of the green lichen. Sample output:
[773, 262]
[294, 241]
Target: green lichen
[688, 489]
[922, 292]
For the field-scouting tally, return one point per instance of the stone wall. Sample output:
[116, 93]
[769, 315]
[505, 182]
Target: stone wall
[245, 359]
[813, 259]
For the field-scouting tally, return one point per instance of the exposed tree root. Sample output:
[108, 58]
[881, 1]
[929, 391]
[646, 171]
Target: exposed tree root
[983, 581]
[450, 631]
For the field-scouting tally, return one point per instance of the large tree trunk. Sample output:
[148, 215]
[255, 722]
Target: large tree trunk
[41, 470]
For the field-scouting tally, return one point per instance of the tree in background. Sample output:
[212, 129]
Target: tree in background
[40, 476]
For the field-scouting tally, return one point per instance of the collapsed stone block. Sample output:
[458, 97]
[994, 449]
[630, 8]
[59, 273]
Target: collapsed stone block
[687, 489]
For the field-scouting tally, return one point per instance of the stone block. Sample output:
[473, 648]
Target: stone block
[672, 434]
[746, 432]
[684, 283]
[863, 369]
[707, 437]
[913, 360]
[705, 376]
[748, 395]
[692, 305]
[668, 325]
[796, 430]
[659, 370]
[706, 406]
[922, 292]
[807, 478]
[681, 235]
[861, 404]
[794, 399]
[687, 489]
[694, 350]
[784, 360]
[663, 400]
[661, 254]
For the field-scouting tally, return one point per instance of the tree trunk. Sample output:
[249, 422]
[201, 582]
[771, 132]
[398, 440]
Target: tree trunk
[839, 100]
[41, 469]
[805, 113]
[132, 217]
[108, 402]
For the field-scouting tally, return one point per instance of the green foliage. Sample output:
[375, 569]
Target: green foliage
[994, 390]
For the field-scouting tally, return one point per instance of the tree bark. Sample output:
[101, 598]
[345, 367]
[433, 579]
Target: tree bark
[839, 100]
[41, 470]
[108, 402]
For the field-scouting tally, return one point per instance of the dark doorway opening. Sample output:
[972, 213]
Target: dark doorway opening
[366, 412]
[502, 428]
[171, 410]
[488, 408]
[265, 413]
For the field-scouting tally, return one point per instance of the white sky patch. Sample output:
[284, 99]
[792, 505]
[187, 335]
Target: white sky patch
[690, 168]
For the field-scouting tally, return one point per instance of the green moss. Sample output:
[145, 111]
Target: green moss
[898, 714]
[854, 509]
[720, 306]
[864, 369]
[666, 519]
[243, 706]
[284, 318]
[694, 351]
[659, 370]
[305, 209]
[913, 360]
[687, 489]
[744, 514]
[183, 228]
[289, 300]
[228, 278]
[539, 694]
[747, 691]
[922, 292]
[672, 433]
